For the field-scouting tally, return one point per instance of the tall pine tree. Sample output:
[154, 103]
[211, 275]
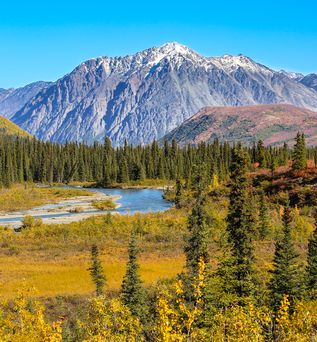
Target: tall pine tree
[240, 228]
[299, 153]
[285, 275]
[264, 219]
[96, 271]
[178, 194]
[196, 247]
[311, 268]
[132, 292]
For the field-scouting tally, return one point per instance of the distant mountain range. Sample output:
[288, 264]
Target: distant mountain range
[12, 100]
[145, 96]
[273, 124]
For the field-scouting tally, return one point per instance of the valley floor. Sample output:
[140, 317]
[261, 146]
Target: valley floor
[54, 258]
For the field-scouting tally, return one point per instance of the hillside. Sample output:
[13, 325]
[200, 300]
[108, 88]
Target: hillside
[8, 127]
[274, 124]
[144, 96]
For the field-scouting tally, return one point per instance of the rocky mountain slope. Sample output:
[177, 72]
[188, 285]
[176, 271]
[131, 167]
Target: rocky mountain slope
[12, 100]
[310, 81]
[274, 124]
[144, 96]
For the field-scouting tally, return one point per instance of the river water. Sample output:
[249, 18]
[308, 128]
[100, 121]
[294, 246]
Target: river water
[131, 201]
[138, 200]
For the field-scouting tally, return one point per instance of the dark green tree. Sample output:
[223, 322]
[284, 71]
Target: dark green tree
[311, 267]
[240, 227]
[285, 274]
[178, 194]
[264, 219]
[299, 153]
[196, 247]
[96, 271]
[260, 154]
[132, 292]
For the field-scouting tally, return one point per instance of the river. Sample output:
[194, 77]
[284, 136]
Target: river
[130, 201]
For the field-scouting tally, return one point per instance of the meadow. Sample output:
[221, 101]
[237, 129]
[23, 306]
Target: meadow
[29, 195]
[55, 259]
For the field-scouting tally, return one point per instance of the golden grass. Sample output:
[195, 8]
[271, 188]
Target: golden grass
[8, 127]
[22, 197]
[55, 258]
[71, 276]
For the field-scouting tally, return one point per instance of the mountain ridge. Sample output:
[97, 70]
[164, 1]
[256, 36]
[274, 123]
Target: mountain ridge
[13, 99]
[144, 96]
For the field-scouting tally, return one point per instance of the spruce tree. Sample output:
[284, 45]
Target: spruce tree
[260, 154]
[132, 293]
[96, 271]
[196, 247]
[264, 219]
[285, 274]
[299, 153]
[178, 194]
[240, 227]
[311, 267]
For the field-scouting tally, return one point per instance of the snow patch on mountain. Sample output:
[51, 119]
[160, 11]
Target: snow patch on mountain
[142, 97]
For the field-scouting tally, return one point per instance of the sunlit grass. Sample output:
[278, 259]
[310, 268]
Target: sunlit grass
[71, 276]
[22, 197]
[54, 258]
[8, 127]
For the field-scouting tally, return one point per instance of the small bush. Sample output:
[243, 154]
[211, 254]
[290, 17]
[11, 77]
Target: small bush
[104, 205]
[76, 210]
[30, 221]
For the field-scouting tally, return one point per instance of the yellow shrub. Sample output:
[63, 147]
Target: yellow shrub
[110, 321]
[24, 322]
[300, 326]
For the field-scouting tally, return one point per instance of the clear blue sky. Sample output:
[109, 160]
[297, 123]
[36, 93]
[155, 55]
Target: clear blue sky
[43, 40]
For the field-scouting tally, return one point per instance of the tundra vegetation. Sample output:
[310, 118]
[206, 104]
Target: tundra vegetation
[234, 260]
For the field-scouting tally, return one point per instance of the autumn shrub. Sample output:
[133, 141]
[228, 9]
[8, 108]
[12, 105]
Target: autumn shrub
[30, 221]
[104, 204]
[23, 321]
[109, 320]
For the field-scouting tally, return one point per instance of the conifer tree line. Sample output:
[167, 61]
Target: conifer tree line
[27, 160]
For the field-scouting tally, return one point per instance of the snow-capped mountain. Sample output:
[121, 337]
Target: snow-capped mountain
[297, 76]
[144, 96]
[12, 100]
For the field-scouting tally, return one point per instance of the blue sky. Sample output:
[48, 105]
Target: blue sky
[43, 40]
